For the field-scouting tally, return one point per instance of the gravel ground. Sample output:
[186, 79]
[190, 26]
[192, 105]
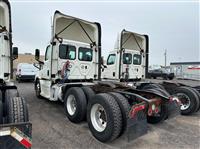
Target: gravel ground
[52, 130]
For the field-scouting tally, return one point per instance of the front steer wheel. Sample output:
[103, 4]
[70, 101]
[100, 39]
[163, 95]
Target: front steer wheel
[38, 89]
[104, 117]
[75, 104]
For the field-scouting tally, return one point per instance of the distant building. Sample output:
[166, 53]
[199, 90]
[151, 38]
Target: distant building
[186, 70]
[25, 58]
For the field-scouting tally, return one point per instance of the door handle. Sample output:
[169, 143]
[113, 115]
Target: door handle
[113, 74]
[47, 72]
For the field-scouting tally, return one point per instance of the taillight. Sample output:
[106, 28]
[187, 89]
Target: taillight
[135, 109]
[154, 107]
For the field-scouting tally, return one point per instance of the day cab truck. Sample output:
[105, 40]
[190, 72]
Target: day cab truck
[110, 108]
[15, 128]
[129, 62]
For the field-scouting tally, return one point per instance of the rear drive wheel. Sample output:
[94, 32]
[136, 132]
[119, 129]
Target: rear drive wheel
[89, 93]
[125, 109]
[104, 117]
[17, 110]
[1, 112]
[75, 104]
[189, 100]
[198, 94]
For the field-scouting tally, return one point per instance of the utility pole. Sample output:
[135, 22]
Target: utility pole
[165, 54]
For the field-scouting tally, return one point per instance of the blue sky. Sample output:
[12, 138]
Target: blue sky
[170, 25]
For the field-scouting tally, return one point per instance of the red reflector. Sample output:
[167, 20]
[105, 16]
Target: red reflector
[26, 143]
[156, 110]
[150, 112]
[136, 109]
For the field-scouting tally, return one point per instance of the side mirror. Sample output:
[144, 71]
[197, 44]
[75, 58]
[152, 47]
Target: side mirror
[37, 54]
[15, 53]
[102, 60]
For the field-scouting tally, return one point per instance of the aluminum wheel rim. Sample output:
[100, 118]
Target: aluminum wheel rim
[183, 105]
[71, 104]
[98, 117]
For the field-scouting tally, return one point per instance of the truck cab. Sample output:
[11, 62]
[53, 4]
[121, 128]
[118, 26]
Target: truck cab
[14, 119]
[7, 54]
[76, 42]
[129, 58]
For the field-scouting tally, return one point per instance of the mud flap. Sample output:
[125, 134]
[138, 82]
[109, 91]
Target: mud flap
[21, 130]
[173, 109]
[136, 127]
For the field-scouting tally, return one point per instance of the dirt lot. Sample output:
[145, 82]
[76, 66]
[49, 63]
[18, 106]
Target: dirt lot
[52, 130]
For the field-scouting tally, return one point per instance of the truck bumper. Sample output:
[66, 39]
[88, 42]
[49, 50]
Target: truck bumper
[26, 77]
[16, 136]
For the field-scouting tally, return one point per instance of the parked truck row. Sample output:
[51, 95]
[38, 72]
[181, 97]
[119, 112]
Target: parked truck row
[72, 73]
[113, 98]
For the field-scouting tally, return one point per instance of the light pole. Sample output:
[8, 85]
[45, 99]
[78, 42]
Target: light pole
[165, 54]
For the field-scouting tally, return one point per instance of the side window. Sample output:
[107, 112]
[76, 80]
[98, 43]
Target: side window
[85, 54]
[127, 58]
[137, 59]
[67, 52]
[48, 53]
[111, 59]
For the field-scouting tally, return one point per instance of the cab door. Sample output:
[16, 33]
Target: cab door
[45, 81]
[136, 66]
[110, 72]
[126, 70]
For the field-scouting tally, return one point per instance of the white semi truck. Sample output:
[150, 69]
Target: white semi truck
[71, 73]
[129, 62]
[15, 128]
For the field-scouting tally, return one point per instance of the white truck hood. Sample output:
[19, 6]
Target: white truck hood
[130, 40]
[71, 28]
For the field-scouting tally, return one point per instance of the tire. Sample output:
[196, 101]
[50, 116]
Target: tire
[198, 94]
[191, 96]
[163, 92]
[38, 89]
[110, 112]
[89, 93]
[17, 110]
[154, 77]
[8, 95]
[1, 112]
[151, 86]
[75, 104]
[125, 109]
